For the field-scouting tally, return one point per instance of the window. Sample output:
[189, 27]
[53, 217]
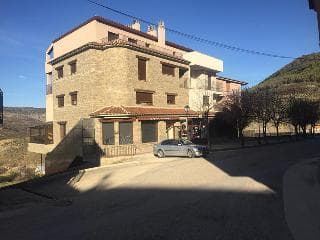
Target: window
[144, 97]
[205, 100]
[50, 53]
[60, 99]
[49, 77]
[171, 99]
[142, 69]
[49, 83]
[60, 71]
[132, 40]
[182, 72]
[112, 36]
[209, 82]
[149, 131]
[168, 69]
[147, 45]
[62, 129]
[74, 98]
[108, 133]
[228, 86]
[125, 133]
[73, 67]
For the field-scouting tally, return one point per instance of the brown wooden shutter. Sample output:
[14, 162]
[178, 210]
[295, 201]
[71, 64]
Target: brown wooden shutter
[168, 69]
[143, 97]
[142, 69]
[205, 100]
[171, 99]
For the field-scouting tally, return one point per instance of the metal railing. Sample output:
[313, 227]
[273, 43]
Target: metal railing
[140, 43]
[42, 134]
[121, 150]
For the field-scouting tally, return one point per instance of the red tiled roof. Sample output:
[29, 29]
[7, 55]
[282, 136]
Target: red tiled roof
[141, 111]
[122, 27]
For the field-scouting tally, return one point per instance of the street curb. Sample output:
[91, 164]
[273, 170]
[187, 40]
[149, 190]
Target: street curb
[259, 145]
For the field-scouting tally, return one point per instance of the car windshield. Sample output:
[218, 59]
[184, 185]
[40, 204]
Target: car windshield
[186, 142]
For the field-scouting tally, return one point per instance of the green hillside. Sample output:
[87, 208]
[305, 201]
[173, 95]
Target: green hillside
[300, 77]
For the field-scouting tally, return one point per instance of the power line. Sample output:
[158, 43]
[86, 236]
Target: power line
[195, 38]
[205, 41]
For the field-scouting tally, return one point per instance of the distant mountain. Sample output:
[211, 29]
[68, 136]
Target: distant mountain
[301, 76]
[17, 120]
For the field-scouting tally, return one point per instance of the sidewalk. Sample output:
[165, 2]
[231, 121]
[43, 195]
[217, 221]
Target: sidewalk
[301, 194]
[232, 145]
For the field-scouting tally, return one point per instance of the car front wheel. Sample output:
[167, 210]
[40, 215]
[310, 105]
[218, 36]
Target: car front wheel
[190, 154]
[160, 154]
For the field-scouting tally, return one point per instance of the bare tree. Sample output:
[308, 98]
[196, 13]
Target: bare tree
[278, 110]
[238, 111]
[261, 108]
[302, 112]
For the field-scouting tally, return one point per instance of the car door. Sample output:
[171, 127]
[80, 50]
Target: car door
[176, 148]
[168, 147]
[180, 149]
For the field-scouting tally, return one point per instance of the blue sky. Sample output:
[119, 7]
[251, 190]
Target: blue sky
[285, 27]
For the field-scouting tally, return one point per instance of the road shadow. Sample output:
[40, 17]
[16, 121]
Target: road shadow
[148, 213]
[59, 210]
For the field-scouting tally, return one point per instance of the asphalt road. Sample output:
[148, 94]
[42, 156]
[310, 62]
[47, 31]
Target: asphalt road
[230, 195]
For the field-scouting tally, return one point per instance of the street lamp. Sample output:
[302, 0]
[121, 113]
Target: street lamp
[187, 109]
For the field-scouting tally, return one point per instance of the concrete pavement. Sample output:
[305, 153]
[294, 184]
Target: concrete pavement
[302, 199]
[229, 195]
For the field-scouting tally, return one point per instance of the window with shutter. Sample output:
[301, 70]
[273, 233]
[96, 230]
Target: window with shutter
[142, 69]
[74, 98]
[209, 82]
[132, 40]
[60, 72]
[205, 100]
[60, 99]
[171, 99]
[73, 67]
[168, 69]
[144, 97]
[112, 36]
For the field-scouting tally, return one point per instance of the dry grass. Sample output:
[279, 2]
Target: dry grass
[16, 163]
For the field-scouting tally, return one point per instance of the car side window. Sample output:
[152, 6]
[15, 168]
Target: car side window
[166, 142]
[175, 142]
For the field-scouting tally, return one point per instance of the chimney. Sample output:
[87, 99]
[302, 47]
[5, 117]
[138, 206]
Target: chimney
[161, 33]
[152, 30]
[135, 25]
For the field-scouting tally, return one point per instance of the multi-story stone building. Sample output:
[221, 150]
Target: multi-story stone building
[120, 89]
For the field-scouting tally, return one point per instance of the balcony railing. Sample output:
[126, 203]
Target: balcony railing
[140, 43]
[42, 134]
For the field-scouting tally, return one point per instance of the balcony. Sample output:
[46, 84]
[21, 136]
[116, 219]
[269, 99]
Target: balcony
[42, 134]
[140, 43]
[203, 62]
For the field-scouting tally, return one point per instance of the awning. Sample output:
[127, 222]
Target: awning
[143, 113]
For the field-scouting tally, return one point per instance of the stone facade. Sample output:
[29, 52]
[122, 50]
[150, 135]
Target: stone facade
[107, 75]
[110, 77]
